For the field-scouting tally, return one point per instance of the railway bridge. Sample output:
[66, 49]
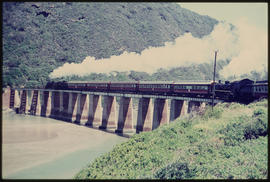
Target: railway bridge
[100, 110]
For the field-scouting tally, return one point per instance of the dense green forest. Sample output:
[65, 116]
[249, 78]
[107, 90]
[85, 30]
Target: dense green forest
[229, 142]
[41, 36]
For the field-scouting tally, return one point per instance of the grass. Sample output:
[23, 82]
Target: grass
[228, 143]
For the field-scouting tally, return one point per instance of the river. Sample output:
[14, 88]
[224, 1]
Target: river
[42, 148]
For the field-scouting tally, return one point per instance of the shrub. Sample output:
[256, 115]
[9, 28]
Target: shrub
[258, 125]
[244, 128]
[234, 131]
[176, 170]
[215, 113]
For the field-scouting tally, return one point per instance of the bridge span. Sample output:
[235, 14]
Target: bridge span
[99, 109]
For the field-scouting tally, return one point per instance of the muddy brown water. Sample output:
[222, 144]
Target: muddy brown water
[42, 148]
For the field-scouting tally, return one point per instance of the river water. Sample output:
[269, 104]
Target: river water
[42, 148]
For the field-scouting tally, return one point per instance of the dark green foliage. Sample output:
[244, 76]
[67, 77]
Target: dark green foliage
[175, 170]
[258, 127]
[192, 148]
[244, 127]
[44, 35]
[234, 132]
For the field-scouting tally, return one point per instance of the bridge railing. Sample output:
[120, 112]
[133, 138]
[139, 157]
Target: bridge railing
[131, 95]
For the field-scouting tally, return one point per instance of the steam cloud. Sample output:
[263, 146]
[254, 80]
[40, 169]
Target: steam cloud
[253, 51]
[244, 45]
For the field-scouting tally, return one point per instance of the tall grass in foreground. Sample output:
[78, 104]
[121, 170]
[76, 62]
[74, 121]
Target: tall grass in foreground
[228, 143]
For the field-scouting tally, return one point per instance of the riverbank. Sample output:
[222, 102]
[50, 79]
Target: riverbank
[228, 142]
[43, 148]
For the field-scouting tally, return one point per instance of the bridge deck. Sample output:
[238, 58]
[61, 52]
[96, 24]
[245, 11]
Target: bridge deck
[132, 95]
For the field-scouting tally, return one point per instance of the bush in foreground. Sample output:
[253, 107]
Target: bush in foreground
[230, 143]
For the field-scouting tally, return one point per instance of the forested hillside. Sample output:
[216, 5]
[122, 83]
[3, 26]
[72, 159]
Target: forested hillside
[39, 37]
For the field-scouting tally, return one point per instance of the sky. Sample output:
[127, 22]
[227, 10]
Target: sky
[252, 21]
[255, 13]
[245, 46]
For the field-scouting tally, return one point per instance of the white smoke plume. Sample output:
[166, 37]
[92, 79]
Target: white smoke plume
[186, 49]
[253, 51]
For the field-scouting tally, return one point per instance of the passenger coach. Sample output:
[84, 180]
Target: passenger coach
[155, 87]
[198, 89]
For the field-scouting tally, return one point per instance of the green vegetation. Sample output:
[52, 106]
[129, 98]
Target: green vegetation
[228, 143]
[38, 37]
[41, 36]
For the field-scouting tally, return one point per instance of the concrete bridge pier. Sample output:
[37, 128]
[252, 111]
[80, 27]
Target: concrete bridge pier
[55, 104]
[193, 106]
[33, 105]
[72, 107]
[39, 103]
[94, 111]
[29, 96]
[178, 108]
[109, 114]
[10, 98]
[23, 102]
[66, 99]
[61, 105]
[52, 104]
[82, 109]
[202, 107]
[16, 99]
[145, 115]
[6, 97]
[46, 107]
[160, 113]
[125, 116]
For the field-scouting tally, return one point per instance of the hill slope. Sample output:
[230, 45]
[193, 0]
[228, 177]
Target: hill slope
[38, 37]
[228, 143]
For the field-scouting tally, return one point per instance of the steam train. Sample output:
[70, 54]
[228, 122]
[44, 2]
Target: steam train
[243, 91]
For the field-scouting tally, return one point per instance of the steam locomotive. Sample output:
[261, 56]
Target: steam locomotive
[243, 91]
